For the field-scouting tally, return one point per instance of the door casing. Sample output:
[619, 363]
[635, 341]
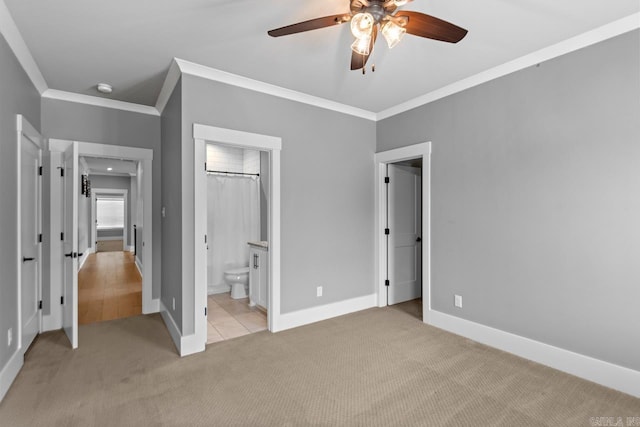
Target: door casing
[381, 159]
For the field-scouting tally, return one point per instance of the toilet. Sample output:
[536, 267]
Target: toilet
[238, 279]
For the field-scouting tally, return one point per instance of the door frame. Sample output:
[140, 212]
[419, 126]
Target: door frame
[95, 194]
[381, 159]
[239, 139]
[145, 157]
[24, 128]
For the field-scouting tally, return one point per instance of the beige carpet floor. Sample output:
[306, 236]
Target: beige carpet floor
[378, 367]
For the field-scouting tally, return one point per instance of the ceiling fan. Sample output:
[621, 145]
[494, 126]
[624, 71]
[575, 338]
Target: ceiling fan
[369, 16]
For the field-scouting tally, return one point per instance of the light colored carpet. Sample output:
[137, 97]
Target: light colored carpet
[378, 367]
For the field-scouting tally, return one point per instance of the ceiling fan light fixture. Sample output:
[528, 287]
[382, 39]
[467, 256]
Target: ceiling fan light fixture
[362, 24]
[361, 45]
[393, 33]
[400, 2]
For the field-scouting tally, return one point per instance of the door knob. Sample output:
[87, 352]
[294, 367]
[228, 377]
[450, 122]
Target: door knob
[69, 255]
[25, 259]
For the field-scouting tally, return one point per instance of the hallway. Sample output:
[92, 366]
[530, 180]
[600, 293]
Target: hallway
[109, 287]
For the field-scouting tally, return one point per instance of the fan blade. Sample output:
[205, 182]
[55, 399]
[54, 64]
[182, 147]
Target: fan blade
[431, 27]
[312, 24]
[359, 61]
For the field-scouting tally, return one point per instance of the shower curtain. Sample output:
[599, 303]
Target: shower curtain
[233, 220]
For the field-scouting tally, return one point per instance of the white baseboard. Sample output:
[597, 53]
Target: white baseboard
[211, 290]
[323, 312]
[139, 266]
[129, 248]
[185, 345]
[152, 306]
[10, 372]
[171, 325]
[84, 257]
[601, 372]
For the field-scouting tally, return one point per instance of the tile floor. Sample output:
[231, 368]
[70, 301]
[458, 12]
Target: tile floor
[229, 318]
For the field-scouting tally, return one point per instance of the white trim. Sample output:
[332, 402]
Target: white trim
[138, 266]
[172, 327]
[589, 38]
[327, 311]
[14, 39]
[201, 135]
[10, 372]
[423, 151]
[219, 289]
[79, 98]
[601, 372]
[213, 74]
[170, 82]
[186, 345]
[85, 255]
[129, 248]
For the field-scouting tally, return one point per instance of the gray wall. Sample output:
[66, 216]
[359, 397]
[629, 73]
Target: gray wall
[535, 200]
[327, 188]
[171, 201]
[87, 123]
[17, 96]
[120, 183]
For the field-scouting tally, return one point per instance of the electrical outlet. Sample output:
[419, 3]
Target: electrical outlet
[319, 291]
[457, 301]
[173, 304]
[9, 337]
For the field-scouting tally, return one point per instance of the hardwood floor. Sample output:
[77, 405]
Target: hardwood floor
[229, 318]
[109, 287]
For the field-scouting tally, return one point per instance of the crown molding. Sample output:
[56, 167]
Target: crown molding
[170, 82]
[589, 38]
[99, 102]
[12, 35]
[213, 74]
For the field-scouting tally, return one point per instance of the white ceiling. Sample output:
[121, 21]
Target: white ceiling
[130, 44]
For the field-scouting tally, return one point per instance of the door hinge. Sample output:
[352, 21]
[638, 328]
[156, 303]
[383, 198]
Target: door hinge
[61, 300]
[40, 170]
[205, 166]
[386, 179]
[62, 172]
[40, 305]
[205, 238]
[40, 238]
[62, 236]
[205, 311]
[386, 231]
[386, 282]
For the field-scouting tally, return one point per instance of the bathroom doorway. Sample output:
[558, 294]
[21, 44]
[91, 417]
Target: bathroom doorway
[236, 229]
[202, 135]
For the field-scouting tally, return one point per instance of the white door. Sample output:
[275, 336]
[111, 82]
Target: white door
[404, 242]
[70, 244]
[30, 207]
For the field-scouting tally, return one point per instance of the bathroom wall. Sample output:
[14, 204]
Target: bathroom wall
[231, 159]
[264, 195]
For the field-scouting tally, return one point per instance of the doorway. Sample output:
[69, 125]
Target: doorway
[78, 243]
[237, 198]
[403, 221]
[204, 135]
